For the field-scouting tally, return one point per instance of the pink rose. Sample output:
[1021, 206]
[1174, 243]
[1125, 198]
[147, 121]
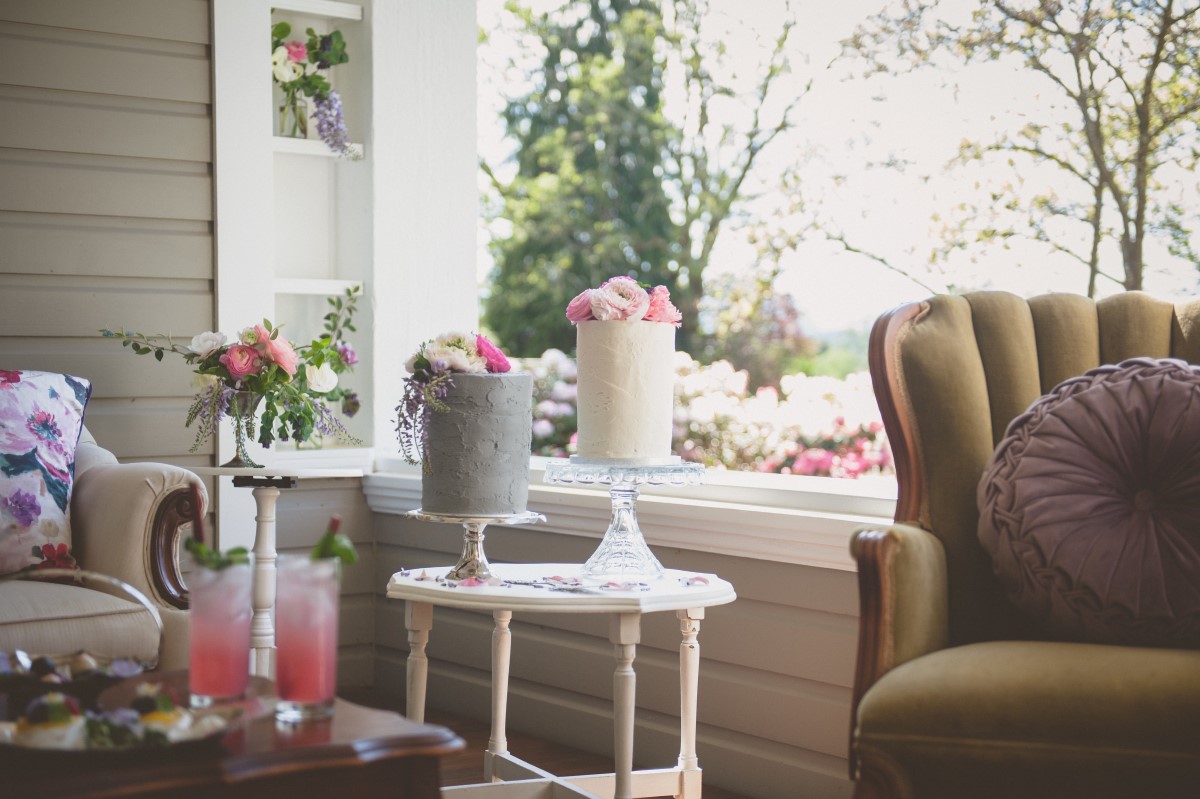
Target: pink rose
[618, 299]
[296, 51]
[496, 362]
[580, 308]
[661, 309]
[241, 360]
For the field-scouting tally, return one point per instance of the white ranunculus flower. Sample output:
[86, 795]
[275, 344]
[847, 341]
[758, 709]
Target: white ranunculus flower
[321, 379]
[287, 72]
[279, 56]
[204, 344]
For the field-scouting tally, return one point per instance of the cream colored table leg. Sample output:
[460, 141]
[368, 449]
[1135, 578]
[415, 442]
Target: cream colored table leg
[418, 618]
[262, 629]
[501, 658]
[689, 683]
[625, 633]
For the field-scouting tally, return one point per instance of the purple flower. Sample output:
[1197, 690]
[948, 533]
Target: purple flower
[331, 126]
[346, 352]
[351, 404]
[23, 506]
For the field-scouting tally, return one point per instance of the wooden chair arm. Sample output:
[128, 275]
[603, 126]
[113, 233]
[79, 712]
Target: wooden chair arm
[173, 512]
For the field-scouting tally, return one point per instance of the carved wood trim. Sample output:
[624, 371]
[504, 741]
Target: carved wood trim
[887, 378]
[173, 512]
[874, 550]
[881, 778]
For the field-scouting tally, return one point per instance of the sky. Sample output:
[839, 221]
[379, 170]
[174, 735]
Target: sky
[847, 122]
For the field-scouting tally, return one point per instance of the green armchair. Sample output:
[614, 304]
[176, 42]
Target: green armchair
[956, 694]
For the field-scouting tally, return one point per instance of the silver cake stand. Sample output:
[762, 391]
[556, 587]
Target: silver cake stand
[473, 562]
[623, 554]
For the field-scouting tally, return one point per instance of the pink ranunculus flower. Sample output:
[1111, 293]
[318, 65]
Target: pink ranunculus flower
[297, 51]
[619, 299]
[580, 308]
[241, 360]
[661, 309]
[496, 360]
[279, 350]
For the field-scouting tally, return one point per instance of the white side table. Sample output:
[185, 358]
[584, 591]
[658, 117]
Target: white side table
[686, 593]
[265, 484]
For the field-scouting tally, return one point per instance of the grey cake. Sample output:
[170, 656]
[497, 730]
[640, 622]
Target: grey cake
[478, 451]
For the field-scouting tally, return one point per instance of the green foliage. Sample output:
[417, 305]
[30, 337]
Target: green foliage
[755, 328]
[606, 184]
[215, 559]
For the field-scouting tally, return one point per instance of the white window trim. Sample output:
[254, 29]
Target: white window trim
[780, 518]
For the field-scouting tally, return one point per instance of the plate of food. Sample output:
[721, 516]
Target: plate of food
[153, 719]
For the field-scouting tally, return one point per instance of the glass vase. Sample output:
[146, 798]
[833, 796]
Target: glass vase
[241, 410]
[293, 115]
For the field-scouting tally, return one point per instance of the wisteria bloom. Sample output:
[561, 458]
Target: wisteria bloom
[331, 124]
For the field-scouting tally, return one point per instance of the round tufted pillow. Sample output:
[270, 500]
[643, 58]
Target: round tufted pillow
[1090, 506]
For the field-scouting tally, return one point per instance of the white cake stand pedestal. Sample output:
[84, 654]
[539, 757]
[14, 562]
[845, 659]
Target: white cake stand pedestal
[473, 561]
[623, 554]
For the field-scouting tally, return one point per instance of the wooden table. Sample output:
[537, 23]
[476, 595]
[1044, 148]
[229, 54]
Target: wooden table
[686, 593]
[265, 484]
[360, 752]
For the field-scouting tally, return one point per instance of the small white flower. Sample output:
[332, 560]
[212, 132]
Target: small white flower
[543, 428]
[321, 379]
[279, 56]
[287, 72]
[205, 344]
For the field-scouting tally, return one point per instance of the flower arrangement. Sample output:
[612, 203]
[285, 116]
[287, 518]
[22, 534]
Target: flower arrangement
[297, 68]
[294, 383]
[431, 370]
[623, 298]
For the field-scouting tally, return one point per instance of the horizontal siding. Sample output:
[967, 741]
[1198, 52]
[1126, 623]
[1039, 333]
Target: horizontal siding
[74, 183]
[99, 124]
[177, 20]
[777, 664]
[44, 57]
[80, 307]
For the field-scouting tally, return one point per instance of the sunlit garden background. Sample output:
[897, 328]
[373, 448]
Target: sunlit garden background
[790, 170]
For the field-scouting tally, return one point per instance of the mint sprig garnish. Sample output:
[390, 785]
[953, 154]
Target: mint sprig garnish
[335, 545]
[213, 558]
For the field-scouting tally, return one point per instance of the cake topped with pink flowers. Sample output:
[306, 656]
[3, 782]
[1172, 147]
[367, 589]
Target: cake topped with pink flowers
[625, 350]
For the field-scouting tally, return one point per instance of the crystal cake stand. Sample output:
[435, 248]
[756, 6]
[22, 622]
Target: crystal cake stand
[473, 562]
[623, 554]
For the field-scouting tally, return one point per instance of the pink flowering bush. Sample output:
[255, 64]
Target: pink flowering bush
[817, 426]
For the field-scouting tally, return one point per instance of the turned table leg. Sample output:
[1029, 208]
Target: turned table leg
[689, 684]
[262, 629]
[418, 619]
[501, 658]
[625, 633]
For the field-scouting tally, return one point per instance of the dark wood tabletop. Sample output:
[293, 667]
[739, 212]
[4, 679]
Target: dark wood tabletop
[360, 752]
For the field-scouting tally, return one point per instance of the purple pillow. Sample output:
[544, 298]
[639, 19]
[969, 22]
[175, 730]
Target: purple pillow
[1090, 506]
[41, 417]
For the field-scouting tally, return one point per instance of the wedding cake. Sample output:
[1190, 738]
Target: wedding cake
[625, 352]
[467, 419]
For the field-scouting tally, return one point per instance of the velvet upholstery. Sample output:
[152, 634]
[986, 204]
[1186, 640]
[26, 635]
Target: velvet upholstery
[1090, 506]
[951, 373]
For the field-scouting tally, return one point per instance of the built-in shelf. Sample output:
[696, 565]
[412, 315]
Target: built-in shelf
[315, 147]
[322, 8]
[314, 285]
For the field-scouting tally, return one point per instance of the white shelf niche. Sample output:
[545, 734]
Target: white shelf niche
[330, 287]
[310, 147]
[321, 8]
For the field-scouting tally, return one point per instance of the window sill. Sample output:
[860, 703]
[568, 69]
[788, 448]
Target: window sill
[783, 519]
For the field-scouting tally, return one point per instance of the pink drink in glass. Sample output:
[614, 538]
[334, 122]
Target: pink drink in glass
[306, 636]
[220, 612]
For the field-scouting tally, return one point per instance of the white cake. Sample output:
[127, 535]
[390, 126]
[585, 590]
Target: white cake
[626, 391]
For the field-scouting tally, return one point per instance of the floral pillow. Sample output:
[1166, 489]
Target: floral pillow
[41, 417]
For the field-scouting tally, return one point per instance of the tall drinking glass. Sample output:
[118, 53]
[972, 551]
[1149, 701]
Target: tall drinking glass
[306, 636]
[220, 611]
